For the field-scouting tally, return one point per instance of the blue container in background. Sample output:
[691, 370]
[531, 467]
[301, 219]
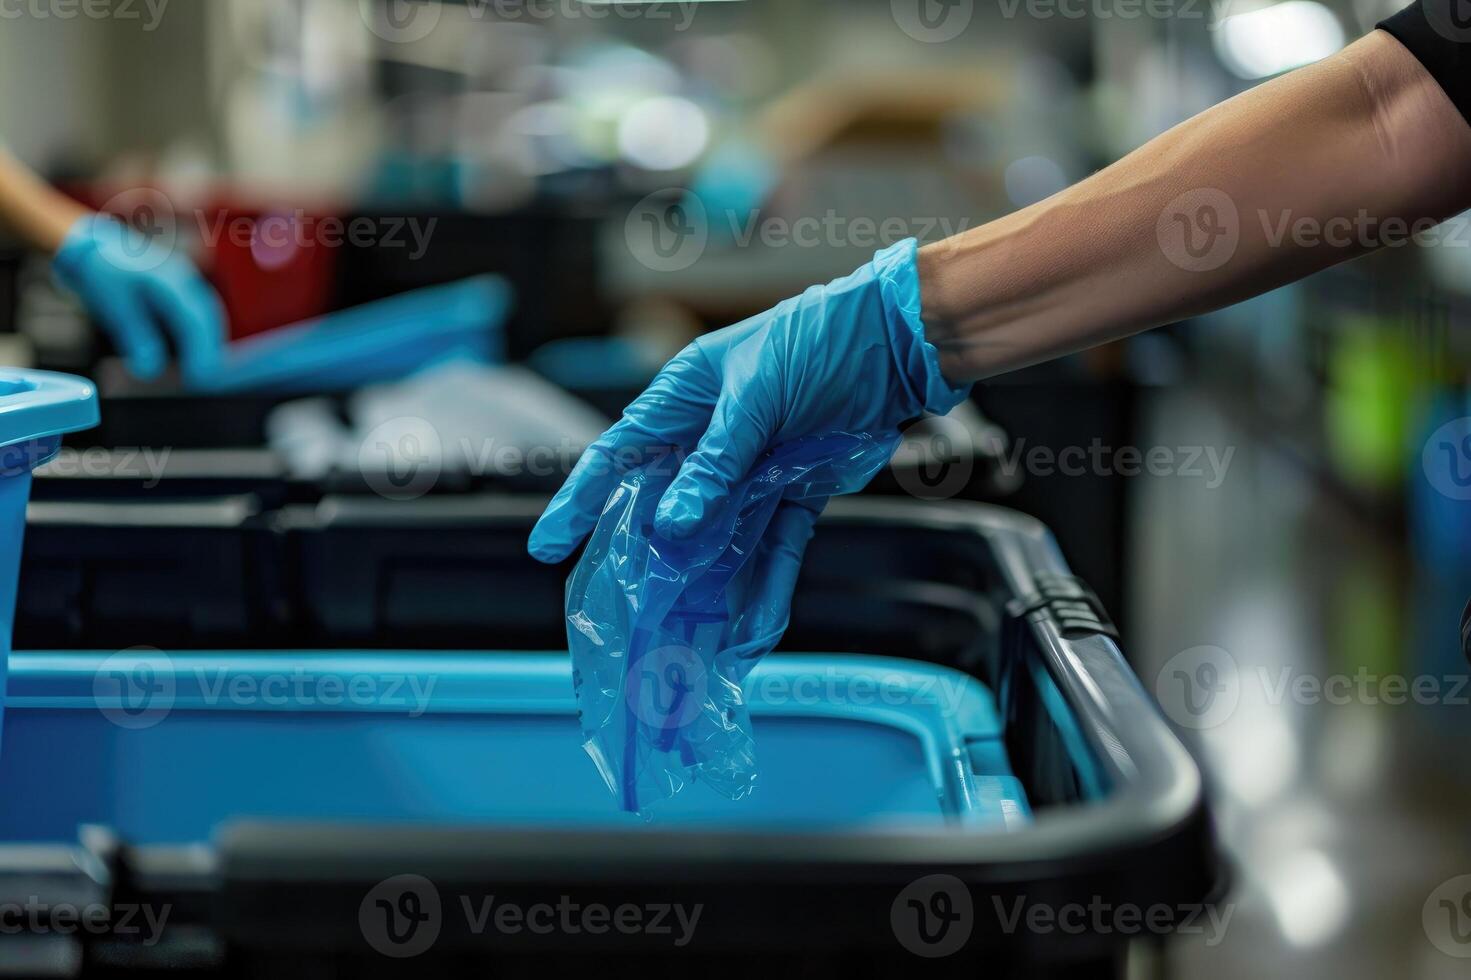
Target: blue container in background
[380, 341]
[36, 408]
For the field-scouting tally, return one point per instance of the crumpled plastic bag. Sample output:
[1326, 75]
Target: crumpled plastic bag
[661, 633]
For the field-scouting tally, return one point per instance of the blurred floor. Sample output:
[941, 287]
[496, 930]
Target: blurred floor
[1341, 818]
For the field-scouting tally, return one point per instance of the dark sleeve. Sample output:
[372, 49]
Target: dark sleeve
[1438, 34]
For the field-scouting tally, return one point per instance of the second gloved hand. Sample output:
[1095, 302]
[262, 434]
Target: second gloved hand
[136, 291]
[849, 356]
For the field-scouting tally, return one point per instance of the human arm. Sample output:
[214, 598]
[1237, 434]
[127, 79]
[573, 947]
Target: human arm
[33, 209]
[1368, 130]
[1303, 172]
[136, 291]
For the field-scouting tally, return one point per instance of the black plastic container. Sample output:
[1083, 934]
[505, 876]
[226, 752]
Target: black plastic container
[1121, 822]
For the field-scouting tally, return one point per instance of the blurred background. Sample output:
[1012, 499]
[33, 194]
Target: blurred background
[634, 175]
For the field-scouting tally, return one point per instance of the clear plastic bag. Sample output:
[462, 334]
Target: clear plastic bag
[660, 631]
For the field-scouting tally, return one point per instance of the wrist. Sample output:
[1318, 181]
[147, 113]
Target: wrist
[941, 308]
[55, 222]
[921, 360]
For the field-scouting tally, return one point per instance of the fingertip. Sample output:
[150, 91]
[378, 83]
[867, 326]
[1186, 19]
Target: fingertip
[546, 547]
[679, 513]
[146, 365]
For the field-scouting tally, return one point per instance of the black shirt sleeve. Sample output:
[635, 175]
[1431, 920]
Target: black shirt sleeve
[1438, 34]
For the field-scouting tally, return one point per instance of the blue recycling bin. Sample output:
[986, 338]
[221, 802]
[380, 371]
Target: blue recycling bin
[964, 735]
[36, 408]
[168, 748]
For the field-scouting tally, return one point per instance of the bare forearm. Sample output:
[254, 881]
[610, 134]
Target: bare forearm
[31, 208]
[1291, 177]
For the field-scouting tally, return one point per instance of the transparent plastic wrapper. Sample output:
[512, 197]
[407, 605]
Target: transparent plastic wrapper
[662, 632]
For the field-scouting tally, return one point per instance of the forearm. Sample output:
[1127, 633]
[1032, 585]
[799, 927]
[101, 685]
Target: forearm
[33, 209]
[1304, 171]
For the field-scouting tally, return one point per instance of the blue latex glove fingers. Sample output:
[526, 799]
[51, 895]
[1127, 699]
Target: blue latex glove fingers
[778, 562]
[193, 315]
[739, 431]
[128, 321]
[574, 510]
[669, 415]
[849, 356]
[135, 288]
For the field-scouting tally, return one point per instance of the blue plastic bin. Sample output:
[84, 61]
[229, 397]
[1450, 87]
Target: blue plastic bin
[1031, 768]
[36, 408]
[166, 748]
[378, 341]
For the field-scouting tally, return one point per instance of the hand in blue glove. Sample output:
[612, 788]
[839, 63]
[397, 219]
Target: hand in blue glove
[136, 291]
[849, 356]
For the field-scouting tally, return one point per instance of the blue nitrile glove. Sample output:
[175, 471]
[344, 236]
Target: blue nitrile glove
[849, 356]
[136, 289]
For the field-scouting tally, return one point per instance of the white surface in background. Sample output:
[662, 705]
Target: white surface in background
[459, 416]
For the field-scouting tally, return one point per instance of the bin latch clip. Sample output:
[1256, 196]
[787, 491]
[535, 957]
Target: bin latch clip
[1073, 606]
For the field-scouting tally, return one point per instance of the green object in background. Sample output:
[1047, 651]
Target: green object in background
[1371, 403]
[1367, 627]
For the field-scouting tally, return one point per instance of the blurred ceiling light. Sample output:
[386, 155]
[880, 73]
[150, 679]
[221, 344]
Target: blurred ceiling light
[664, 133]
[1255, 754]
[1308, 896]
[1277, 38]
[613, 68]
[540, 139]
[1032, 179]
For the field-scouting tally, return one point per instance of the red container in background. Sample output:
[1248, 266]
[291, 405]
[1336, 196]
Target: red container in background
[272, 266]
